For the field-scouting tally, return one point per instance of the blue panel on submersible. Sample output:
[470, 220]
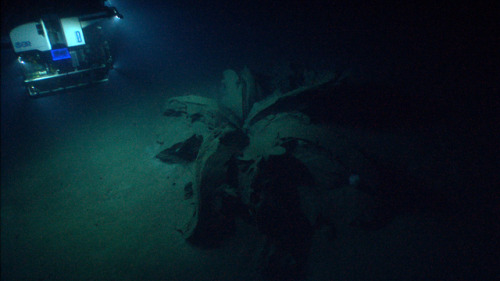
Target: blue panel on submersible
[60, 54]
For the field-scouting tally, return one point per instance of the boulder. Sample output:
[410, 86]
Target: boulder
[181, 152]
[233, 92]
[240, 92]
[213, 219]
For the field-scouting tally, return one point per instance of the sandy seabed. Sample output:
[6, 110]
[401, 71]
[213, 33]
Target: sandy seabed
[88, 201]
[92, 203]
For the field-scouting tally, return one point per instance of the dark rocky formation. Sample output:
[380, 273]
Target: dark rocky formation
[289, 165]
[181, 152]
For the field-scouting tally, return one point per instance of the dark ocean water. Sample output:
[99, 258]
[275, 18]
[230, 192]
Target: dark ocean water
[437, 61]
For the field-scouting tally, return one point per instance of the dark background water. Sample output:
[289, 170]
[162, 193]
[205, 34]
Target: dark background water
[439, 60]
